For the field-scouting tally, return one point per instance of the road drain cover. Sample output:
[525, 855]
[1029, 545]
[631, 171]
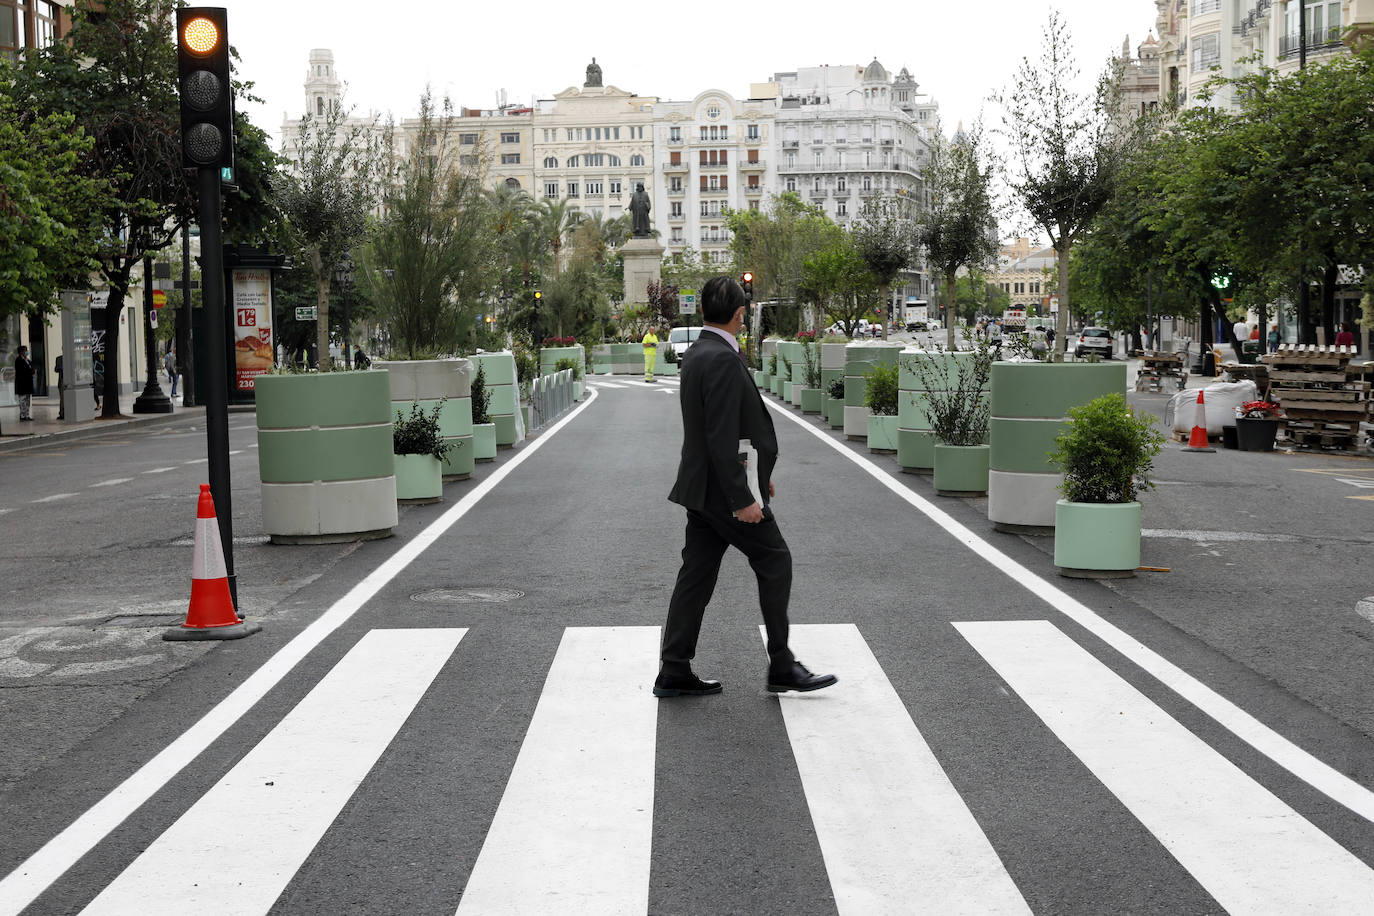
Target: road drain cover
[488, 593]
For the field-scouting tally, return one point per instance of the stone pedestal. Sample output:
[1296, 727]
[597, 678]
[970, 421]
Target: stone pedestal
[643, 263]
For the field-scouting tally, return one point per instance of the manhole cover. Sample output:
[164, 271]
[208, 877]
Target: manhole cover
[460, 595]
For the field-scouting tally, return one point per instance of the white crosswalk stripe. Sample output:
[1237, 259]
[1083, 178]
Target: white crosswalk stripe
[236, 849]
[1252, 852]
[574, 833]
[870, 778]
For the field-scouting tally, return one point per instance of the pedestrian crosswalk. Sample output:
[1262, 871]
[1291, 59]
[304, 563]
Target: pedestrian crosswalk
[664, 383]
[573, 831]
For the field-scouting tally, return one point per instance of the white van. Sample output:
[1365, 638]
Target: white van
[682, 338]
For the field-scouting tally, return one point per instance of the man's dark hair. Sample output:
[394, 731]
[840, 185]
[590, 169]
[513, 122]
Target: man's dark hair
[721, 297]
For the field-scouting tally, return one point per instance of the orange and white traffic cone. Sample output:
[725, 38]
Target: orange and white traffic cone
[211, 613]
[1197, 440]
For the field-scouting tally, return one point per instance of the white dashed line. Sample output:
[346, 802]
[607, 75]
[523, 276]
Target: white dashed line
[237, 451]
[54, 498]
[110, 483]
[160, 470]
[196, 461]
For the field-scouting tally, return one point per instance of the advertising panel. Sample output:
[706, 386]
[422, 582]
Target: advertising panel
[252, 325]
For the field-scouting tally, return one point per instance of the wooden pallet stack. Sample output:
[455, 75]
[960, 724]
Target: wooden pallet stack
[1324, 393]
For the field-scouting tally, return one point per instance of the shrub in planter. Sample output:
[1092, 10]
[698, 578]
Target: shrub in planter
[483, 429]
[880, 397]
[1106, 456]
[419, 449]
[958, 406]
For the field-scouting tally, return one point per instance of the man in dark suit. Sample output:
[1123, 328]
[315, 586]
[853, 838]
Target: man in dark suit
[724, 481]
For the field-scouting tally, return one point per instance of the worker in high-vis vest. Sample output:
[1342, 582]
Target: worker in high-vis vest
[650, 343]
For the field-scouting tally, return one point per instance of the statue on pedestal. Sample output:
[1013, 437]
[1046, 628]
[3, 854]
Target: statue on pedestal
[593, 74]
[639, 209]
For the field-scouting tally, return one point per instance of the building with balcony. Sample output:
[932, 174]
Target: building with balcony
[1024, 274]
[1199, 39]
[592, 145]
[710, 159]
[26, 24]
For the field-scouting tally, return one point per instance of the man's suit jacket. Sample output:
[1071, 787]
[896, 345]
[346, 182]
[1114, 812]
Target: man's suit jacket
[720, 406]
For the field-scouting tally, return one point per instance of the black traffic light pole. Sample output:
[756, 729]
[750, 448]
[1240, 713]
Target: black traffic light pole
[216, 396]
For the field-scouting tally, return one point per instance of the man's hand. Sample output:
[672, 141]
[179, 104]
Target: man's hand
[752, 513]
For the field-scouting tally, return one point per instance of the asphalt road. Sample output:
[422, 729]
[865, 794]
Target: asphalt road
[459, 717]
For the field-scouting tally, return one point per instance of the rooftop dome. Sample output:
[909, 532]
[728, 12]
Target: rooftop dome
[874, 73]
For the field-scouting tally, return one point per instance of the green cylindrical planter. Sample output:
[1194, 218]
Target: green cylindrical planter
[775, 383]
[1096, 540]
[861, 356]
[834, 412]
[961, 470]
[419, 479]
[484, 441]
[1030, 405]
[811, 400]
[915, 441]
[786, 393]
[549, 357]
[324, 456]
[505, 398]
[764, 380]
[426, 381]
[882, 434]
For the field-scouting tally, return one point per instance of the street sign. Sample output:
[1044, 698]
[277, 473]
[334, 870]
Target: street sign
[152, 319]
[687, 302]
[1054, 304]
[306, 313]
[159, 298]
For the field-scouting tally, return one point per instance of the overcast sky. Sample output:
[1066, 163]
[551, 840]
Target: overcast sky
[959, 51]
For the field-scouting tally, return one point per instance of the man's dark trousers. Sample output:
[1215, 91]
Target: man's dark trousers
[709, 534]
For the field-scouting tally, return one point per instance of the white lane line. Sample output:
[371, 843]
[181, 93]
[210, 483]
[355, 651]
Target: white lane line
[196, 461]
[111, 483]
[894, 833]
[574, 830]
[237, 451]
[3, 511]
[33, 876]
[608, 385]
[282, 796]
[159, 470]
[1251, 851]
[1302, 764]
[53, 498]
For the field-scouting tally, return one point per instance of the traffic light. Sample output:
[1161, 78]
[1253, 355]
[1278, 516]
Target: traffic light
[207, 99]
[538, 296]
[746, 280]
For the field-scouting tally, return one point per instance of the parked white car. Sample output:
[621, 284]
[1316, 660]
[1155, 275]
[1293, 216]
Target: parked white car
[1094, 340]
[682, 338]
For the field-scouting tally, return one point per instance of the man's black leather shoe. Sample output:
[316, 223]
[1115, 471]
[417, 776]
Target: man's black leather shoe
[798, 678]
[684, 685]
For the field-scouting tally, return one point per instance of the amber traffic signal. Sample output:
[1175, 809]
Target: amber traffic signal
[207, 100]
[746, 281]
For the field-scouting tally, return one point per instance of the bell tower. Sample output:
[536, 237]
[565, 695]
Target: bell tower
[322, 85]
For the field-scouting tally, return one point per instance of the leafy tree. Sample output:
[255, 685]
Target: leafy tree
[1067, 148]
[431, 253]
[957, 228]
[774, 242]
[886, 237]
[325, 197]
[557, 219]
[49, 207]
[837, 279]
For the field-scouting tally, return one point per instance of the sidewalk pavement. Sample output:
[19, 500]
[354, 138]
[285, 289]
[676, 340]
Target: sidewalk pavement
[45, 427]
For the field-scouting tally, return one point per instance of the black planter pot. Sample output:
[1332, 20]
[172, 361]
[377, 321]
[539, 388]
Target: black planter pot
[1256, 434]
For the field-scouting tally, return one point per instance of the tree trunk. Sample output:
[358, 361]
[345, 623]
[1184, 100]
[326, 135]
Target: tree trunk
[322, 361]
[949, 310]
[1061, 321]
[114, 308]
[1330, 275]
[887, 305]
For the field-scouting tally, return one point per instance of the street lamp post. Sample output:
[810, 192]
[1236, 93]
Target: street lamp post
[152, 400]
[343, 275]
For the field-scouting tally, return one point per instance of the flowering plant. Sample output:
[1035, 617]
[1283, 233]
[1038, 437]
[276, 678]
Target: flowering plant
[559, 341]
[1259, 410]
[806, 336]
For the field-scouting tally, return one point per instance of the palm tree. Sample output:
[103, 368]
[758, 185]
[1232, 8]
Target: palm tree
[557, 219]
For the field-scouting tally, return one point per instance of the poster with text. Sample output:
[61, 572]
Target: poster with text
[252, 325]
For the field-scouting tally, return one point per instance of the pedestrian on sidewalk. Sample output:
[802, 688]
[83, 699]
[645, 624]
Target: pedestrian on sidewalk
[1274, 338]
[169, 362]
[23, 383]
[360, 360]
[61, 405]
[724, 481]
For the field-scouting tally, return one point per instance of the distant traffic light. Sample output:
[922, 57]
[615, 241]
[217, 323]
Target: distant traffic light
[746, 280]
[538, 295]
[207, 98]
